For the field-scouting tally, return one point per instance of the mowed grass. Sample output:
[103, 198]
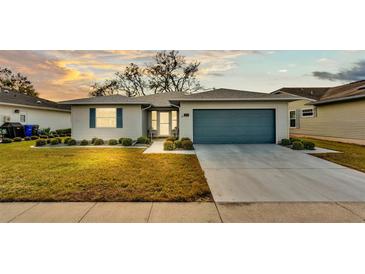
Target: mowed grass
[98, 174]
[353, 156]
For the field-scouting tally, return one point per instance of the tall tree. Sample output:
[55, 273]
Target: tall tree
[16, 82]
[169, 72]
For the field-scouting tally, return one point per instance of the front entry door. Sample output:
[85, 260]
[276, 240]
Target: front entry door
[164, 123]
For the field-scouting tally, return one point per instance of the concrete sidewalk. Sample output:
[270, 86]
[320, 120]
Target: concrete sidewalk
[205, 212]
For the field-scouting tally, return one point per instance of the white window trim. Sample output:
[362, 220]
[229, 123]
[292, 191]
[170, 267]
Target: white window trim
[308, 116]
[295, 118]
[25, 117]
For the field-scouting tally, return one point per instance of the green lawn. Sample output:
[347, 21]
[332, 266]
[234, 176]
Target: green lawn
[353, 156]
[98, 174]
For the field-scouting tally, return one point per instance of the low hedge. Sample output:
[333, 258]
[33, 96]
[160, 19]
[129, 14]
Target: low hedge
[127, 142]
[66, 140]
[178, 144]
[84, 142]
[43, 136]
[298, 145]
[17, 139]
[7, 141]
[54, 142]
[71, 142]
[34, 137]
[27, 138]
[168, 145]
[285, 142]
[112, 142]
[143, 140]
[187, 144]
[93, 140]
[308, 145]
[40, 142]
[98, 142]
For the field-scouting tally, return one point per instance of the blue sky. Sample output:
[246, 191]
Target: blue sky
[61, 75]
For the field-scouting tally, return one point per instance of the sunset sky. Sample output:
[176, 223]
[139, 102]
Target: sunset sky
[62, 75]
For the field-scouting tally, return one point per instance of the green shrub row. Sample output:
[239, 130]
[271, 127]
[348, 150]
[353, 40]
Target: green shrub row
[184, 143]
[298, 144]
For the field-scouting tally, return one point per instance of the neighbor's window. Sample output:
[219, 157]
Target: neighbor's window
[154, 120]
[174, 119]
[293, 118]
[308, 112]
[22, 118]
[106, 117]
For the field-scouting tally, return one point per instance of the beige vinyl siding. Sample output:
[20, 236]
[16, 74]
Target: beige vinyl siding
[340, 120]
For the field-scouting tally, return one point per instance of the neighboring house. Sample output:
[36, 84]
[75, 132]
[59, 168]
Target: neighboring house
[333, 113]
[216, 116]
[17, 107]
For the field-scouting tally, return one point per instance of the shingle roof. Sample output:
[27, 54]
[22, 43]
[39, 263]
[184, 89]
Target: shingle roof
[165, 99]
[15, 98]
[349, 91]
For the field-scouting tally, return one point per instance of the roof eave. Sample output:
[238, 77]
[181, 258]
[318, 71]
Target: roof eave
[103, 103]
[335, 100]
[35, 107]
[236, 99]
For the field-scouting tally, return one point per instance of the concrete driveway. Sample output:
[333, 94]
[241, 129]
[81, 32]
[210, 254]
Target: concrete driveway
[271, 173]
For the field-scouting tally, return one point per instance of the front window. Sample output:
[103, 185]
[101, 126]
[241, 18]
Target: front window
[174, 119]
[22, 118]
[106, 117]
[308, 112]
[293, 118]
[154, 120]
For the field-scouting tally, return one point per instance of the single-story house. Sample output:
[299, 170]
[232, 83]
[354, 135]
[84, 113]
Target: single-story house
[332, 113]
[215, 116]
[20, 108]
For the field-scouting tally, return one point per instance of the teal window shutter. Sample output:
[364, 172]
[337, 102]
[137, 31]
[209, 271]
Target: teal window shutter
[119, 117]
[92, 117]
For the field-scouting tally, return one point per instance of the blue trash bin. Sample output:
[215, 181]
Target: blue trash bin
[28, 130]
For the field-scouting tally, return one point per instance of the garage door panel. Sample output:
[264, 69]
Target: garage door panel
[234, 126]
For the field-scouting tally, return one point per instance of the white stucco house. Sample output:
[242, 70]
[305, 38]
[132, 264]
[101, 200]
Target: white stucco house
[216, 116]
[25, 109]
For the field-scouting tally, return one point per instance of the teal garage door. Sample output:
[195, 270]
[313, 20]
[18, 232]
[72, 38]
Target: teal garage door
[234, 126]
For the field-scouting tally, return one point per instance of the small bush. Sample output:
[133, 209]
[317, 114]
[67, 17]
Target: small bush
[54, 142]
[185, 139]
[112, 142]
[84, 142]
[292, 140]
[40, 142]
[187, 144]
[143, 140]
[7, 141]
[64, 131]
[99, 142]
[67, 139]
[127, 142]
[93, 140]
[171, 139]
[27, 138]
[34, 137]
[285, 142]
[121, 140]
[43, 136]
[298, 146]
[59, 140]
[178, 144]
[308, 145]
[71, 142]
[17, 139]
[168, 145]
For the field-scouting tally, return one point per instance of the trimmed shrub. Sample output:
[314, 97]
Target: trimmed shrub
[185, 139]
[7, 141]
[143, 140]
[187, 144]
[64, 131]
[59, 140]
[112, 142]
[27, 138]
[67, 139]
[127, 142]
[93, 140]
[171, 139]
[84, 142]
[43, 136]
[34, 137]
[292, 140]
[168, 145]
[71, 142]
[308, 145]
[178, 144]
[285, 142]
[17, 139]
[99, 142]
[121, 140]
[40, 143]
[54, 142]
[298, 146]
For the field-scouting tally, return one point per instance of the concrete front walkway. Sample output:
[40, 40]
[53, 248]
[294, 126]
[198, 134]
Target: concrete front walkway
[157, 147]
[272, 173]
[206, 212]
